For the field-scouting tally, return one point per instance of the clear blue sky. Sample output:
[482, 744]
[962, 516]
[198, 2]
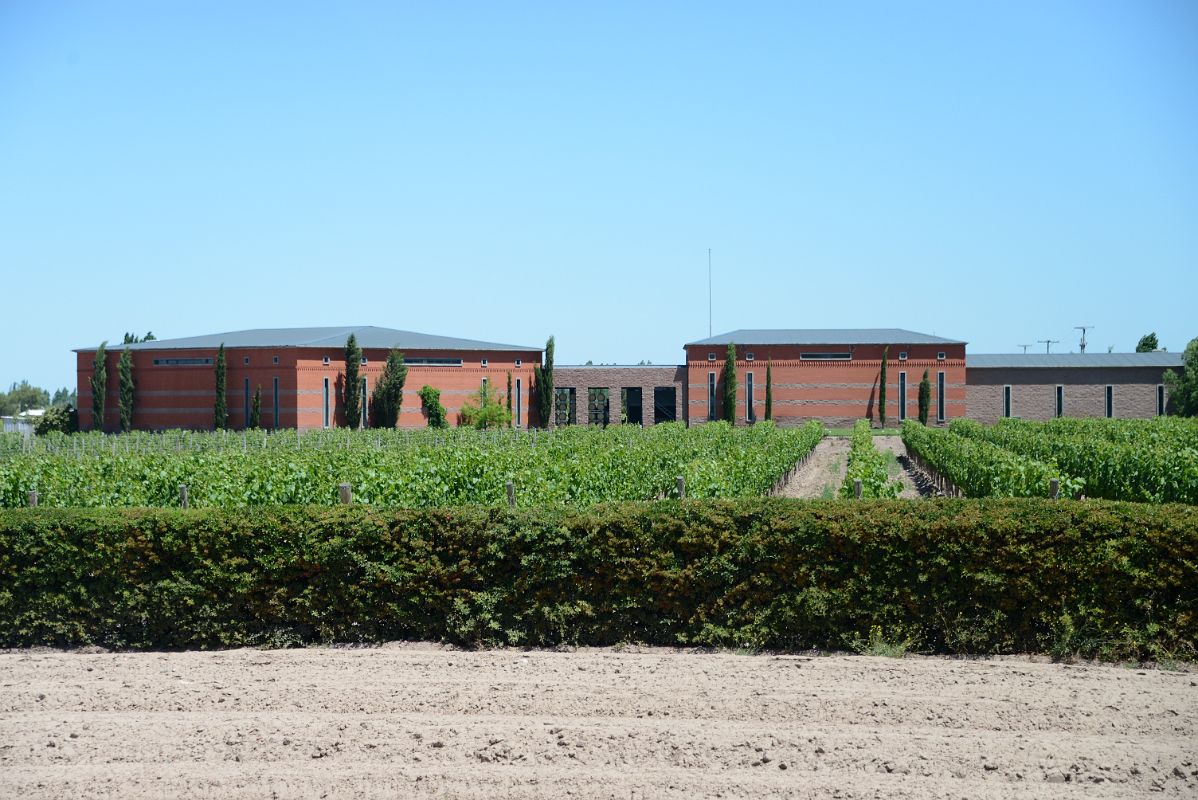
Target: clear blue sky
[994, 172]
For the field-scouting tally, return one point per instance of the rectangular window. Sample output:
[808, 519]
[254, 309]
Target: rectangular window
[483, 385]
[182, 362]
[825, 356]
[940, 397]
[519, 404]
[275, 400]
[711, 408]
[1160, 400]
[326, 361]
[275, 360]
[433, 362]
[246, 361]
[326, 402]
[245, 409]
[665, 404]
[519, 362]
[1110, 401]
[483, 362]
[749, 356]
[631, 397]
[711, 356]
[565, 404]
[1006, 401]
[903, 355]
[750, 414]
[940, 356]
[365, 422]
[598, 406]
[1060, 401]
[363, 360]
[902, 396]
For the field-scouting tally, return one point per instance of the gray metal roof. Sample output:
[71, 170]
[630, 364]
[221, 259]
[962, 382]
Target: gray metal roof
[368, 336]
[1059, 360]
[824, 336]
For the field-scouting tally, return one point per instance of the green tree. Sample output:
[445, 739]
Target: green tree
[882, 390]
[22, 397]
[99, 386]
[386, 401]
[1148, 342]
[60, 419]
[925, 398]
[353, 384]
[255, 420]
[1183, 387]
[220, 408]
[483, 410]
[63, 398]
[430, 402]
[729, 405]
[509, 395]
[124, 371]
[542, 382]
[769, 389]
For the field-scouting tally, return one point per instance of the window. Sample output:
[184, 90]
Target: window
[246, 361]
[750, 414]
[902, 355]
[598, 406]
[940, 356]
[245, 409]
[711, 356]
[940, 397]
[1006, 401]
[825, 356]
[275, 360]
[748, 356]
[1160, 400]
[326, 361]
[365, 421]
[630, 398]
[483, 362]
[182, 362]
[1060, 401]
[711, 409]
[518, 404]
[326, 399]
[275, 399]
[565, 404]
[519, 363]
[434, 362]
[902, 396]
[483, 385]
[665, 404]
[363, 361]
[1110, 401]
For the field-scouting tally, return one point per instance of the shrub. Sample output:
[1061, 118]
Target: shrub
[430, 402]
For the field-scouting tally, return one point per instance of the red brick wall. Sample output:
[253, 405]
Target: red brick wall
[1033, 392]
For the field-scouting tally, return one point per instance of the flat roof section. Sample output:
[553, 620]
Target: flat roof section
[823, 336]
[369, 336]
[1068, 360]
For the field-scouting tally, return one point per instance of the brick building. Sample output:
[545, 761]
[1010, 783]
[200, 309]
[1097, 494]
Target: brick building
[829, 375]
[301, 375]
[610, 394]
[1047, 385]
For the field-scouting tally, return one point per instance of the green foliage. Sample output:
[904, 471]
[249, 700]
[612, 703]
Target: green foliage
[1183, 388]
[22, 397]
[99, 386]
[430, 402]
[220, 407]
[868, 465]
[509, 398]
[127, 388]
[769, 390]
[57, 419]
[353, 383]
[1148, 342]
[925, 398]
[483, 411]
[570, 466]
[729, 381]
[133, 338]
[1112, 580]
[386, 401]
[255, 420]
[542, 385]
[64, 397]
[882, 387]
[880, 645]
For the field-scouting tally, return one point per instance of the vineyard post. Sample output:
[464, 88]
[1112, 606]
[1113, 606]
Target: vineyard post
[681, 481]
[511, 494]
[32, 499]
[1054, 488]
[347, 493]
[857, 488]
[183, 503]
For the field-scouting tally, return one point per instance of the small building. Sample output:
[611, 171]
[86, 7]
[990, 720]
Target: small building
[301, 374]
[642, 394]
[830, 375]
[1041, 386]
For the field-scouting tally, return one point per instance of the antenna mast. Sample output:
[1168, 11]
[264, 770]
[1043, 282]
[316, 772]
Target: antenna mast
[1048, 343]
[709, 333]
[1083, 329]
[1024, 346]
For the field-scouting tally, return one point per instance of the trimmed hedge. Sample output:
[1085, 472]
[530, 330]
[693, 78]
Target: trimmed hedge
[1095, 578]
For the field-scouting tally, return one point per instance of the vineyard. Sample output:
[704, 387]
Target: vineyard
[569, 466]
[1139, 460]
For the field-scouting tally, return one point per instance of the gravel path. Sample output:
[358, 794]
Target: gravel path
[422, 721]
[823, 473]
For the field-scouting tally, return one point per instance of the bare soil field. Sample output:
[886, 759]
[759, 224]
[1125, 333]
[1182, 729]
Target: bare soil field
[411, 720]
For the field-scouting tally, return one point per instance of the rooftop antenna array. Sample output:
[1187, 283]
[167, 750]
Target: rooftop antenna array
[1048, 343]
[1024, 346]
[1083, 329]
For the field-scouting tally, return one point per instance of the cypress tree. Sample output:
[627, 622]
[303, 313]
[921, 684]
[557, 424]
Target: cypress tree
[125, 376]
[386, 400]
[769, 390]
[882, 390]
[256, 409]
[353, 384]
[542, 378]
[509, 396]
[99, 387]
[730, 384]
[220, 409]
[925, 398]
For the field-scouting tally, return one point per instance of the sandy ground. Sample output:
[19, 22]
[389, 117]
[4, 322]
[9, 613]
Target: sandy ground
[824, 472]
[422, 721]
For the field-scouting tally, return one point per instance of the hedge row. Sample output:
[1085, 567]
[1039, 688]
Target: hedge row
[1094, 578]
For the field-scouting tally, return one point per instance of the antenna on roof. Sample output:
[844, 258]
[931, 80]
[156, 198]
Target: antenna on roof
[1048, 343]
[1025, 347]
[1083, 329]
[709, 333]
